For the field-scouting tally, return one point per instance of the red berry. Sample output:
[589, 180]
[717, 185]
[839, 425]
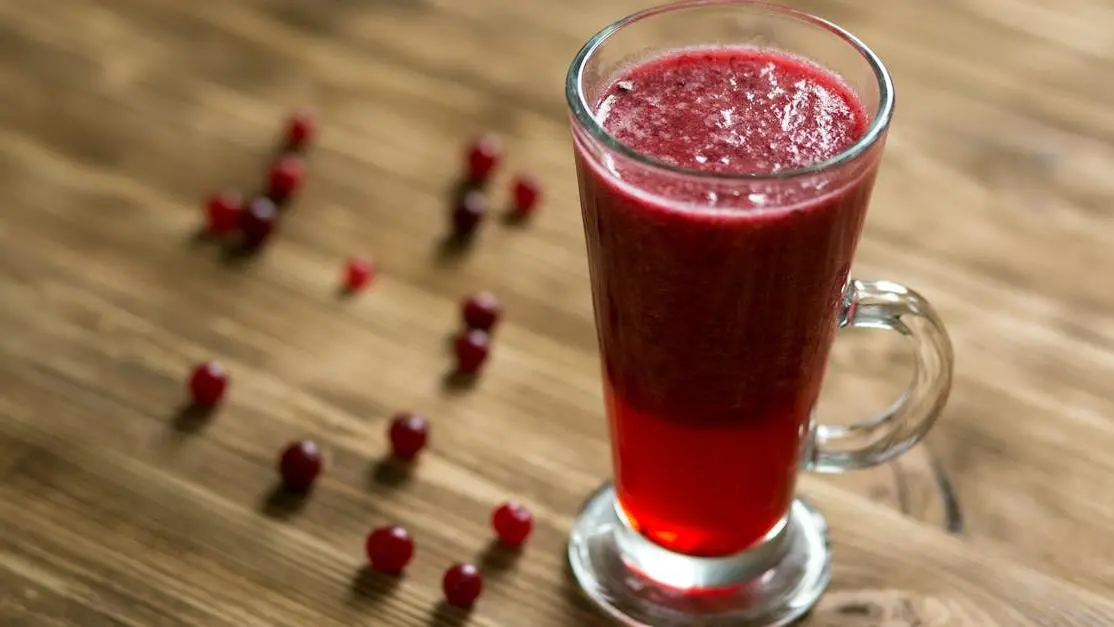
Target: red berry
[257, 221]
[358, 272]
[285, 177]
[481, 311]
[483, 156]
[300, 130]
[207, 384]
[527, 192]
[472, 348]
[300, 464]
[223, 211]
[409, 433]
[512, 523]
[389, 549]
[462, 584]
[468, 213]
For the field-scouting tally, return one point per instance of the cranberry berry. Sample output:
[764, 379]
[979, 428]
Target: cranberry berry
[300, 464]
[481, 311]
[472, 348]
[512, 523]
[527, 191]
[358, 273]
[222, 212]
[409, 433]
[483, 157]
[285, 177]
[207, 384]
[468, 214]
[257, 221]
[389, 549]
[462, 585]
[300, 130]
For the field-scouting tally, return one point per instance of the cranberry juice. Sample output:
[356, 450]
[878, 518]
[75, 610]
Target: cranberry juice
[715, 309]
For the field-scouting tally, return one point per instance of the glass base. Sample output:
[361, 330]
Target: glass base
[642, 584]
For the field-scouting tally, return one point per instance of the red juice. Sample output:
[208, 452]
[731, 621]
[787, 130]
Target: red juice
[716, 308]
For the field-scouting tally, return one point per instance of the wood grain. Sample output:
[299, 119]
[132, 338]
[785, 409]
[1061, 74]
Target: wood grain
[119, 116]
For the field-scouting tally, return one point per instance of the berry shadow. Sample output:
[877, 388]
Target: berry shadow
[237, 254]
[391, 473]
[284, 147]
[282, 201]
[452, 248]
[344, 292]
[462, 186]
[497, 558]
[370, 587]
[514, 219]
[454, 381]
[282, 502]
[191, 418]
[201, 236]
[445, 615]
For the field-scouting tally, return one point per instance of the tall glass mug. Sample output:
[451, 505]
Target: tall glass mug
[717, 296]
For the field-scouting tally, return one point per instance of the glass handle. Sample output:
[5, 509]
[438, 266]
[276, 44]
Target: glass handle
[892, 306]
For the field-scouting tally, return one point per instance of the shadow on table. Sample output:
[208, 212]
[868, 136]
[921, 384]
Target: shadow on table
[452, 248]
[282, 503]
[369, 587]
[455, 382]
[391, 473]
[497, 559]
[191, 418]
[445, 615]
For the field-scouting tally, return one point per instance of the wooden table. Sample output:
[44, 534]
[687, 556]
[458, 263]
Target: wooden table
[118, 117]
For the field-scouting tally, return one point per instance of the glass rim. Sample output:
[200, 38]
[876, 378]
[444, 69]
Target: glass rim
[583, 114]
